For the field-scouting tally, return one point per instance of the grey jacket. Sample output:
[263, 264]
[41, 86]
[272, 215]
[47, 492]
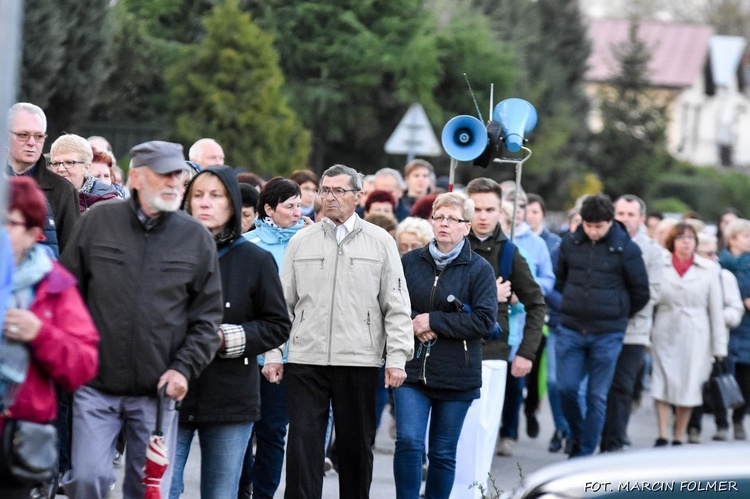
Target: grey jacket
[639, 327]
[348, 303]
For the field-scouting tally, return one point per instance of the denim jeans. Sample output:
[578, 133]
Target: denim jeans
[264, 469]
[413, 409]
[620, 397]
[554, 397]
[512, 406]
[222, 452]
[579, 355]
[383, 396]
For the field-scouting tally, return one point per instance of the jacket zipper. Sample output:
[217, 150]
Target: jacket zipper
[423, 370]
[339, 252]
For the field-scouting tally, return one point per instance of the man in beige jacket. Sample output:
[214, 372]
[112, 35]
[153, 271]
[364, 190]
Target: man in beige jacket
[348, 302]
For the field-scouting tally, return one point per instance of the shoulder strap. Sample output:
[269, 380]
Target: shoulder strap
[505, 265]
[237, 242]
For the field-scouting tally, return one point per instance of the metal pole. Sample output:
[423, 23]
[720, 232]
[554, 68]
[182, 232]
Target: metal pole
[519, 166]
[10, 57]
[452, 174]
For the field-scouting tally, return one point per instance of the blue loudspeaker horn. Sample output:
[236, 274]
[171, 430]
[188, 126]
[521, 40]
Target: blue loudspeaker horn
[464, 138]
[517, 119]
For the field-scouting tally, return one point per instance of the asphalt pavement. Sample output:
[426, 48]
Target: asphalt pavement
[529, 455]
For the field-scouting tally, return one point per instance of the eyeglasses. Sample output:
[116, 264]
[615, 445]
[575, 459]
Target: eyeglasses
[337, 192]
[685, 237]
[66, 164]
[25, 136]
[451, 220]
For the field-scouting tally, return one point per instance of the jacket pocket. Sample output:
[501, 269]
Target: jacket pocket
[107, 253]
[364, 273]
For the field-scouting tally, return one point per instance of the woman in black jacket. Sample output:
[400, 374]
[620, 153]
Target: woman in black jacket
[454, 305]
[224, 401]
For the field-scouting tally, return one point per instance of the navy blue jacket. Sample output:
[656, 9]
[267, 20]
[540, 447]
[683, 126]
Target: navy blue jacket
[454, 367]
[603, 283]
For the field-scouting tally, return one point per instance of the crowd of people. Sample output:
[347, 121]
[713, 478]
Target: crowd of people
[281, 317]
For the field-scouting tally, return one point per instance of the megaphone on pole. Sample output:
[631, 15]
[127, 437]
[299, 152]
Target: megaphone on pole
[464, 138]
[517, 119]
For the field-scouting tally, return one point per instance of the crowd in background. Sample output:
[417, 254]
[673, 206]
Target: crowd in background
[286, 314]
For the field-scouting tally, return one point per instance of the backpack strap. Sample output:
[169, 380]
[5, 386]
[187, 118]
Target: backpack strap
[505, 265]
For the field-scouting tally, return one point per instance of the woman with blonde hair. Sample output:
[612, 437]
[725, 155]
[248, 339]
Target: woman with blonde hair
[735, 257]
[454, 306]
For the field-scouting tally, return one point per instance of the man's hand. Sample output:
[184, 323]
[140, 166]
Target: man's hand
[274, 373]
[520, 366]
[394, 377]
[503, 290]
[177, 384]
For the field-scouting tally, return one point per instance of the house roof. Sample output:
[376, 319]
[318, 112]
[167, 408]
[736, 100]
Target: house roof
[678, 50]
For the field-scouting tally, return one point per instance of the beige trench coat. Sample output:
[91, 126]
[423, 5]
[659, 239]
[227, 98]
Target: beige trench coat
[688, 332]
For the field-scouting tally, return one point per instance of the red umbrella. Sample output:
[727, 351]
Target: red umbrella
[156, 454]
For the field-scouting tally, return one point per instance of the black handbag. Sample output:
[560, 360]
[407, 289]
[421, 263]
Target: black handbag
[29, 452]
[722, 388]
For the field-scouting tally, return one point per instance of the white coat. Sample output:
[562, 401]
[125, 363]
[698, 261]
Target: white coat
[688, 331]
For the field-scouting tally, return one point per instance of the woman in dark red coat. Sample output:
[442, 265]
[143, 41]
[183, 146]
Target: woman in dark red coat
[47, 315]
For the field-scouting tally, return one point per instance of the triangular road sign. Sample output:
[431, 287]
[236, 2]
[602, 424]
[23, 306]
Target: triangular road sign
[414, 135]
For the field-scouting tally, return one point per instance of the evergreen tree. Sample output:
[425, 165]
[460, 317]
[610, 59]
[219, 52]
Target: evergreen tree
[135, 90]
[631, 146]
[65, 46]
[229, 87]
[352, 69]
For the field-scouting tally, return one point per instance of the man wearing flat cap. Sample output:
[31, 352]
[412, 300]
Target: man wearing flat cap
[150, 277]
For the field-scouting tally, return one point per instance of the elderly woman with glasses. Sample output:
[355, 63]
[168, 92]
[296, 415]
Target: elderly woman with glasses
[688, 331]
[454, 305]
[71, 157]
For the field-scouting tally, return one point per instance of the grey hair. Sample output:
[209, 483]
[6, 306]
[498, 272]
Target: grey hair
[630, 198]
[355, 178]
[390, 172]
[196, 149]
[417, 226]
[28, 107]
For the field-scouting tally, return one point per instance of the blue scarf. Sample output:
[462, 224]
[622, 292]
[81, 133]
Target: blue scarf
[32, 269]
[271, 233]
[443, 259]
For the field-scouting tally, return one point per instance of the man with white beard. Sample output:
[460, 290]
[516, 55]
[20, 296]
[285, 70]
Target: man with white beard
[149, 275]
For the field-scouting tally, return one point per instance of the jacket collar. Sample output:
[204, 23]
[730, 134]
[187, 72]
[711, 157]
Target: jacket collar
[497, 235]
[615, 239]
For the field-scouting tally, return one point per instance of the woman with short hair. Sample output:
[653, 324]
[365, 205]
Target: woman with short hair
[71, 157]
[688, 332]
[47, 317]
[446, 373]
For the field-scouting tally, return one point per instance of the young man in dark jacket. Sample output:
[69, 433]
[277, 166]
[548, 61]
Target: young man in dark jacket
[149, 275]
[488, 241]
[603, 282]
